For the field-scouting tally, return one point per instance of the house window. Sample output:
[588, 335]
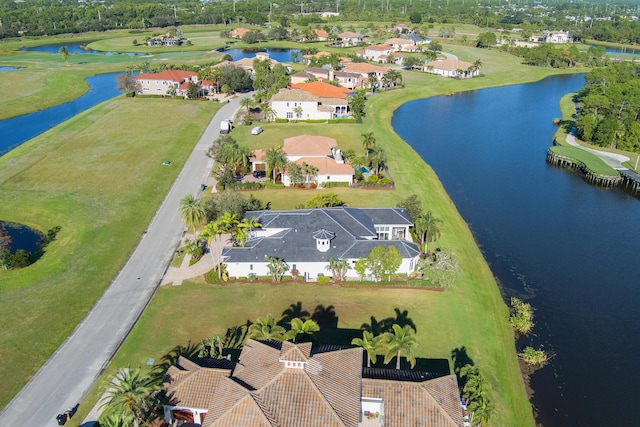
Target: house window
[383, 232]
[289, 115]
[294, 267]
[287, 104]
[328, 177]
[251, 267]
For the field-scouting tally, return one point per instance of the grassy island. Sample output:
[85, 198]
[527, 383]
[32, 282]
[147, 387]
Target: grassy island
[100, 177]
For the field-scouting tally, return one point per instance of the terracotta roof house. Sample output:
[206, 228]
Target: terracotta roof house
[317, 73]
[322, 35]
[247, 63]
[165, 82]
[382, 53]
[319, 151]
[348, 38]
[324, 90]
[365, 69]
[307, 58]
[306, 239]
[238, 33]
[305, 385]
[399, 44]
[299, 104]
[451, 67]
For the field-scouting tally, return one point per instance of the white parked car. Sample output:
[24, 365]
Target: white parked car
[256, 130]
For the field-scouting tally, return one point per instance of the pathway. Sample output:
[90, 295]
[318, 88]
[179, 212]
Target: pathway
[612, 159]
[68, 375]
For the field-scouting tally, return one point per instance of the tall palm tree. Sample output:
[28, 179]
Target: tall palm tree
[275, 159]
[370, 344]
[192, 211]
[247, 103]
[378, 159]
[401, 342]
[266, 329]
[301, 329]
[309, 171]
[428, 228]
[244, 228]
[269, 113]
[130, 396]
[65, 54]
[339, 268]
[214, 231]
[477, 64]
[373, 81]
[368, 142]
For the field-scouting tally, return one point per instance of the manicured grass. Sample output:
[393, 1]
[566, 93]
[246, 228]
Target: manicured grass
[66, 177]
[590, 160]
[100, 177]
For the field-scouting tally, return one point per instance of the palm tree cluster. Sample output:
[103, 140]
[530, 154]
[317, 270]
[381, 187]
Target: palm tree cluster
[131, 399]
[375, 157]
[476, 392]
[276, 161]
[231, 158]
[266, 329]
[426, 227]
[228, 223]
[401, 341]
[339, 268]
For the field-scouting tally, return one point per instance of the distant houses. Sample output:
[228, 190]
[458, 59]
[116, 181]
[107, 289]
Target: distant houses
[165, 40]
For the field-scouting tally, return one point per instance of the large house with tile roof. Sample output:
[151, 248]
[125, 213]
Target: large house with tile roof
[451, 67]
[305, 385]
[319, 151]
[171, 82]
[348, 38]
[345, 79]
[238, 33]
[311, 101]
[307, 239]
[365, 69]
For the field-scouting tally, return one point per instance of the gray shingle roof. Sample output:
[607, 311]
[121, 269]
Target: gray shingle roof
[353, 228]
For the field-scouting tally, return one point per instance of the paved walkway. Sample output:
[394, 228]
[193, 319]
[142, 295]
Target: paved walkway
[612, 159]
[68, 375]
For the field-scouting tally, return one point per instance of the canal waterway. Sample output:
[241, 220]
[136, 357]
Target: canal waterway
[568, 248]
[16, 130]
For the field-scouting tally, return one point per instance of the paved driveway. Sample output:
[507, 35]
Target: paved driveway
[69, 374]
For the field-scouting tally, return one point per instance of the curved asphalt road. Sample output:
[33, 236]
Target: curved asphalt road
[68, 375]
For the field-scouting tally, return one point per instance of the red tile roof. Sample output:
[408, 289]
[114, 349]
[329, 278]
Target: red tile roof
[363, 67]
[177, 76]
[307, 145]
[323, 90]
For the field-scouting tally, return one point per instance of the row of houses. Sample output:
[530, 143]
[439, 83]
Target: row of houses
[172, 82]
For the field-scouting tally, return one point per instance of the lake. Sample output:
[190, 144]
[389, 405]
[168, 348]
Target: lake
[568, 248]
[75, 48]
[19, 129]
[280, 55]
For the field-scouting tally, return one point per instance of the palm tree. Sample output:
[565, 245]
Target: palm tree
[275, 159]
[339, 268]
[477, 64]
[192, 211]
[65, 54]
[269, 113]
[298, 112]
[476, 391]
[266, 329]
[277, 267]
[401, 342]
[428, 228]
[368, 142]
[309, 171]
[247, 103]
[214, 230]
[244, 228]
[373, 81]
[370, 344]
[130, 396]
[378, 159]
[301, 329]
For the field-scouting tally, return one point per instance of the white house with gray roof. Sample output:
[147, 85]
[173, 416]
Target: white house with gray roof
[306, 239]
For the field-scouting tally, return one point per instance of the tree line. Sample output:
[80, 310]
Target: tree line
[48, 17]
[610, 107]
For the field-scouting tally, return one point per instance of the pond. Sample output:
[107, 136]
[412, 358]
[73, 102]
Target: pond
[11, 68]
[280, 55]
[568, 248]
[23, 237]
[76, 48]
[20, 129]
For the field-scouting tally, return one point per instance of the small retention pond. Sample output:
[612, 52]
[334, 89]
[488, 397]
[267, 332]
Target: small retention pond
[23, 237]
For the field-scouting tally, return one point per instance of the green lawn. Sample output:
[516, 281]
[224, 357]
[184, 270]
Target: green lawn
[66, 177]
[100, 177]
